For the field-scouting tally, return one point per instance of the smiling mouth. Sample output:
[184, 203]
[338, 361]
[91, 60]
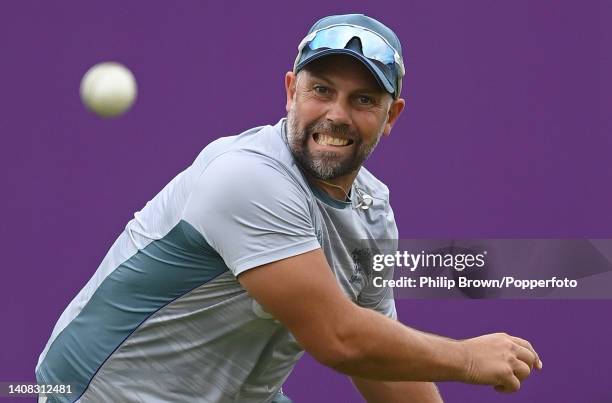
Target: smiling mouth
[326, 140]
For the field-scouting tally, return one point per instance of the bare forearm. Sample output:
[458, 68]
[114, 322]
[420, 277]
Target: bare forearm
[376, 347]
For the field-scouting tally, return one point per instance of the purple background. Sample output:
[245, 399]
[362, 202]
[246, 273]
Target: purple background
[506, 134]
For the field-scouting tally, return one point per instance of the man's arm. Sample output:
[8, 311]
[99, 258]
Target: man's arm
[397, 392]
[302, 293]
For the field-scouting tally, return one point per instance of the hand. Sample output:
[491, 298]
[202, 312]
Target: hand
[500, 360]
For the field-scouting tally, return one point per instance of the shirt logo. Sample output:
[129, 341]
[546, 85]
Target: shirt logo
[362, 258]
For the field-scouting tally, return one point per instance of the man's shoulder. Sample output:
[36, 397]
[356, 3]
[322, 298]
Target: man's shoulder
[255, 161]
[256, 146]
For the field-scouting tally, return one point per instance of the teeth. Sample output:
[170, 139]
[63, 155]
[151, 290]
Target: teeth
[330, 141]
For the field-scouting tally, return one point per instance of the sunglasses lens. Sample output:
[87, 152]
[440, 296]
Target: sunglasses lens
[373, 46]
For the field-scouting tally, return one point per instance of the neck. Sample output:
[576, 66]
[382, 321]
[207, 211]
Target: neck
[337, 188]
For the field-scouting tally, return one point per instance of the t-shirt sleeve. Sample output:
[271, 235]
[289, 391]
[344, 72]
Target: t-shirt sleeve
[251, 211]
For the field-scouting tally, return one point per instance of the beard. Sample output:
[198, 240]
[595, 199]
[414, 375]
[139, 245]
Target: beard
[329, 164]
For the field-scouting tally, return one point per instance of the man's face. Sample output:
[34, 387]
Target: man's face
[336, 114]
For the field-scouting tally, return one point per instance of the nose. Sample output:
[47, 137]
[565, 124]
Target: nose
[338, 112]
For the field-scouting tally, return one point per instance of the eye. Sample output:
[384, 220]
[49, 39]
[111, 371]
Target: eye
[321, 89]
[365, 100]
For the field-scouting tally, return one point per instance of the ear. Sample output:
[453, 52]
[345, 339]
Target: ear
[397, 106]
[290, 84]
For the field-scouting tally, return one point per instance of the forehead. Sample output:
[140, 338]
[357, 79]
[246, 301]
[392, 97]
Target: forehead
[343, 70]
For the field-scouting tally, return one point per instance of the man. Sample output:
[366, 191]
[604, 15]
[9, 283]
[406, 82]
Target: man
[261, 249]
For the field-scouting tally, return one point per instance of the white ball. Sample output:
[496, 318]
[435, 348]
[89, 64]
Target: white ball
[108, 89]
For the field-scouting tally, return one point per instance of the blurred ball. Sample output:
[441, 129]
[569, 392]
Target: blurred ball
[108, 89]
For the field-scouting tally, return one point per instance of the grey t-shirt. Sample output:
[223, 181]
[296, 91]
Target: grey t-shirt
[164, 318]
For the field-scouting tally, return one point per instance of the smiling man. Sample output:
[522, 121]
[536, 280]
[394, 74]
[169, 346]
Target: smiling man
[262, 249]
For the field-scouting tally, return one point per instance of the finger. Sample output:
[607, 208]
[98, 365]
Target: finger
[527, 345]
[509, 385]
[527, 356]
[521, 370]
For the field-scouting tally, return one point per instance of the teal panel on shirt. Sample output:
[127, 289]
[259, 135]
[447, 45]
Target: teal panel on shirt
[165, 270]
